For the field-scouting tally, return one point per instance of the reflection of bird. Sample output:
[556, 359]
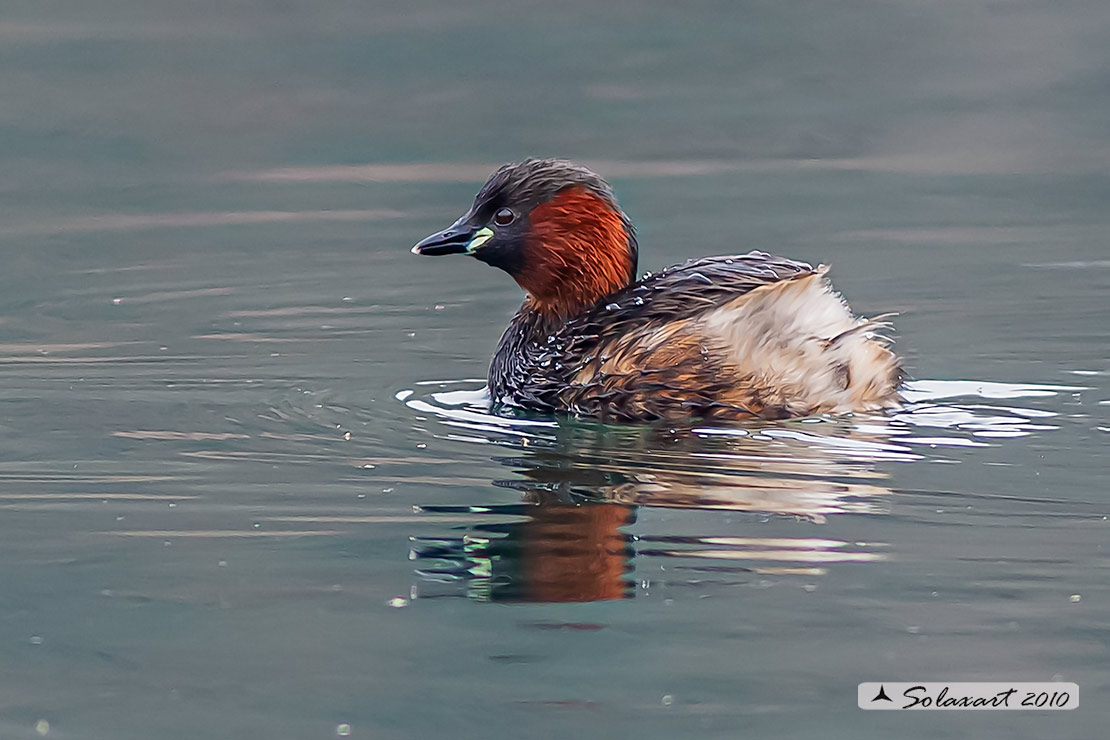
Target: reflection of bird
[562, 551]
[805, 470]
[565, 552]
[720, 337]
[583, 487]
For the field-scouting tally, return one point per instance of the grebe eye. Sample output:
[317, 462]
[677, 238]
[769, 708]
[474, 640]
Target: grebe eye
[504, 217]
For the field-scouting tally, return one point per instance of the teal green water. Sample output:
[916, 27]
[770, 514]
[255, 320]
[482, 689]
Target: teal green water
[247, 486]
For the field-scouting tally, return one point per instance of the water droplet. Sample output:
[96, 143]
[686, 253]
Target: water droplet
[397, 602]
[343, 730]
[115, 302]
[42, 727]
[221, 564]
[439, 307]
[347, 299]
[612, 307]
[347, 435]
[1076, 598]
[421, 446]
[36, 640]
[667, 700]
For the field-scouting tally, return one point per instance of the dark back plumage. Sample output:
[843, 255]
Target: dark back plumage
[538, 360]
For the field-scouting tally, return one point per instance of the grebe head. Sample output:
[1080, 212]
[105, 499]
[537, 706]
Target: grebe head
[554, 226]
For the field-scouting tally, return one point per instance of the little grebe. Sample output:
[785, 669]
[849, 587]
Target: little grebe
[745, 336]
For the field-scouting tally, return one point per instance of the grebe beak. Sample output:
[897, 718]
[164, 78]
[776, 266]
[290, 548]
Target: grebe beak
[459, 238]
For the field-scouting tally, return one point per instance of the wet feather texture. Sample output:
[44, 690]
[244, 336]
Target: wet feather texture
[746, 336]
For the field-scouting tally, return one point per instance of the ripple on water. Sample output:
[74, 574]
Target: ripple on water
[579, 532]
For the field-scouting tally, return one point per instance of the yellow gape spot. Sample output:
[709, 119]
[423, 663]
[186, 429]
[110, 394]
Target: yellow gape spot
[481, 237]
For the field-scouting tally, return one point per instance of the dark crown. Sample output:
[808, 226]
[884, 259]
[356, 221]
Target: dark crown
[536, 181]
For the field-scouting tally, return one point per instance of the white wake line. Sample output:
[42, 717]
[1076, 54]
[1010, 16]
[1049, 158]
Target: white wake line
[935, 390]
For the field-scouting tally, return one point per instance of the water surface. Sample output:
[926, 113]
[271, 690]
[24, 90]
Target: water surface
[248, 487]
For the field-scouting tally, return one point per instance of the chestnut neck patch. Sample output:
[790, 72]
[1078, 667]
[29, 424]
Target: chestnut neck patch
[579, 249]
